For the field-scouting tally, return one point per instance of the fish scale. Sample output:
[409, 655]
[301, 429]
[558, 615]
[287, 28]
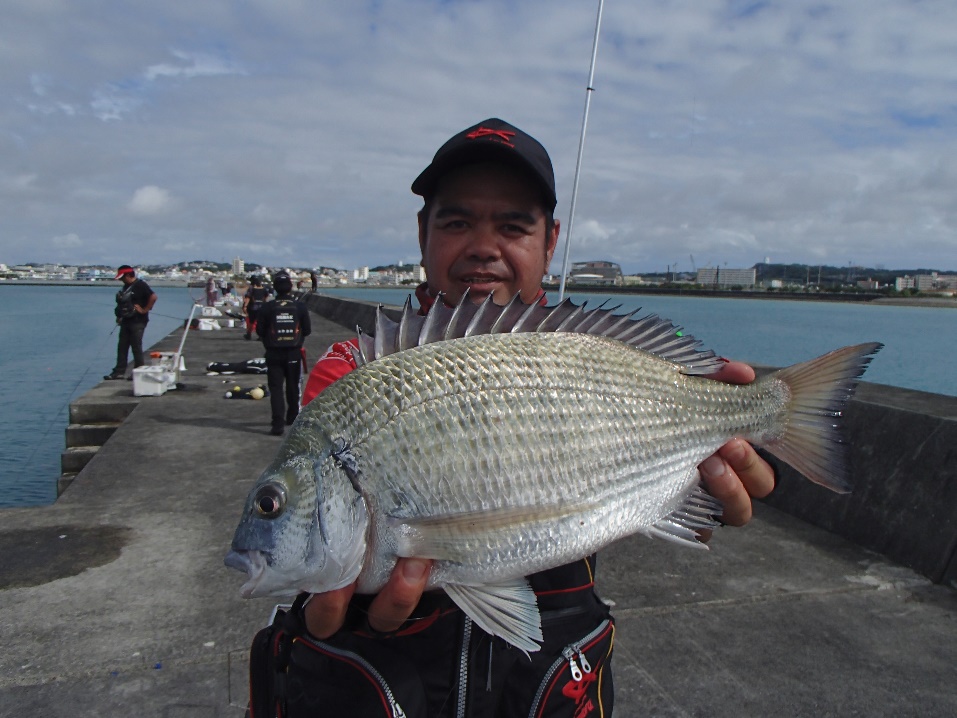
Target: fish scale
[499, 455]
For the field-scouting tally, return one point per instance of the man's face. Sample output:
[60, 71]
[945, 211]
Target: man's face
[485, 233]
[127, 278]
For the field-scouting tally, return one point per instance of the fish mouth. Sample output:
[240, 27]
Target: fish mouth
[252, 563]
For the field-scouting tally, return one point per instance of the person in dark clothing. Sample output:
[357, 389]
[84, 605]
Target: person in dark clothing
[253, 301]
[133, 304]
[282, 325]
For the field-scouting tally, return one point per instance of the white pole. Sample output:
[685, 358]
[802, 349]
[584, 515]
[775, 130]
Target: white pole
[581, 151]
[179, 352]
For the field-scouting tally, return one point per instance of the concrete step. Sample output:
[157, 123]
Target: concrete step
[64, 482]
[76, 457]
[100, 411]
[90, 434]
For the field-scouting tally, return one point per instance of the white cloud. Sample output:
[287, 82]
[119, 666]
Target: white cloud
[293, 130]
[66, 241]
[193, 64]
[150, 200]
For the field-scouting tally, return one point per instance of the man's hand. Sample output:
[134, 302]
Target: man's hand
[735, 473]
[326, 612]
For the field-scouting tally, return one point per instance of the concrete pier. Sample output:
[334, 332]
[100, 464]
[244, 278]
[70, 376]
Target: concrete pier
[114, 600]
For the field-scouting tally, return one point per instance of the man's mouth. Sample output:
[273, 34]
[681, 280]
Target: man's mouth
[478, 281]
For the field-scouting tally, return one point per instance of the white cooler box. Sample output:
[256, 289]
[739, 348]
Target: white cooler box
[160, 377]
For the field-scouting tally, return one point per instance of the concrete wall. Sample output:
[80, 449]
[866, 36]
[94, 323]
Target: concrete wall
[903, 461]
[350, 313]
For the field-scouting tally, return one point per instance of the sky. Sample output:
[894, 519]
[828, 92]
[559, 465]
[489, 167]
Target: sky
[287, 132]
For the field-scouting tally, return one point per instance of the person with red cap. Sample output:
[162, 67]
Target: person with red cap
[486, 227]
[133, 304]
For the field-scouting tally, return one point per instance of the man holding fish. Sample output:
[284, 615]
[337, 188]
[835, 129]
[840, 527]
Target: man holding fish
[487, 229]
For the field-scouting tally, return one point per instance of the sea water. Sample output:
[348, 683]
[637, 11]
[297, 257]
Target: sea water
[57, 342]
[920, 343]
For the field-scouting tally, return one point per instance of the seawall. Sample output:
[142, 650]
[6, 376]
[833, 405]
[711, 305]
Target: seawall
[902, 456]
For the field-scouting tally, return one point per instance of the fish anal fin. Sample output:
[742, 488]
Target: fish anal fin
[508, 610]
[695, 513]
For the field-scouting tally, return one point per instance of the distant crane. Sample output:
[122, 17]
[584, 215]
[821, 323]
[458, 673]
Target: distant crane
[693, 267]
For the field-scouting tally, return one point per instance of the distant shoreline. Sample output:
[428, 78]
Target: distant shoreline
[860, 298]
[857, 297]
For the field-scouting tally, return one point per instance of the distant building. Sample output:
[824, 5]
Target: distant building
[932, 282]
[361, 274]
[905, 282]
[868, 284]
[725, 278]
[595, 272]
[418, 273]
[90, 274]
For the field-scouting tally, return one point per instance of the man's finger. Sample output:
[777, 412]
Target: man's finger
[724, 485]
[755, 473]
[734, 372]
[326, 612]
[395, 603]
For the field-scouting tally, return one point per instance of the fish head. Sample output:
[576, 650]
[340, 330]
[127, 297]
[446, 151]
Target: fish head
[303, 528]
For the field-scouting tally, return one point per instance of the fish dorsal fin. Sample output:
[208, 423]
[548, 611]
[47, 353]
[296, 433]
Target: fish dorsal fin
[366, 349]
[410, 326]
[650, 333]
[386, 334]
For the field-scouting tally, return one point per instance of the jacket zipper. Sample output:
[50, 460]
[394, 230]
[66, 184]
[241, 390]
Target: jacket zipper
[568, 654]
[394, 706]
[464, 668]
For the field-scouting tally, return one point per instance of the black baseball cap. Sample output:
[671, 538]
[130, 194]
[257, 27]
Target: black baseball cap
[490, 140]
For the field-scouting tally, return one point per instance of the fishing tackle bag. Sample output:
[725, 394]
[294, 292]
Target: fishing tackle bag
[292, 675]
[285, 325]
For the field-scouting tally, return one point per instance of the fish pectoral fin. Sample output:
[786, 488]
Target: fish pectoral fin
[508, 610]
[451, 537]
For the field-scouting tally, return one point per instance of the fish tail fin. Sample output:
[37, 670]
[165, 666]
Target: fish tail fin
[820, 389]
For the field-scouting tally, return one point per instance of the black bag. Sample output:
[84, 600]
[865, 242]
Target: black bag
[285, 327]
[250, 366]
[293, 675]
[124, 302]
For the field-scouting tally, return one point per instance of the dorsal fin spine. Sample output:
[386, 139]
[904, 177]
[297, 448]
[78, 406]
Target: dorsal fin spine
[651, 334]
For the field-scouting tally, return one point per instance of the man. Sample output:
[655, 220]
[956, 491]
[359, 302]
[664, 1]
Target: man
[282, 325]
[253, 300]
[487, 226]
[133, 304]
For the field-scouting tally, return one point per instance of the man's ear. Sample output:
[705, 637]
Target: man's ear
[551, 242]
[423, 233]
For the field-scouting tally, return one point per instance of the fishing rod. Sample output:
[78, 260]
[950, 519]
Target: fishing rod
[581, 150]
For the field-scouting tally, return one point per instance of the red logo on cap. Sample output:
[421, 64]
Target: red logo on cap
[504, 135]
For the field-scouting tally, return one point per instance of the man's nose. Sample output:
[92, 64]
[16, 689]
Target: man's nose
[484, 244]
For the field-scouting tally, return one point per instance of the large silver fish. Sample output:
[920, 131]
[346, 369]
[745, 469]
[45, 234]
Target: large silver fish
[502, 441]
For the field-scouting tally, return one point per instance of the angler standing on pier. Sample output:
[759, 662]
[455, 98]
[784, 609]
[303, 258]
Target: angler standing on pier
[133, 304]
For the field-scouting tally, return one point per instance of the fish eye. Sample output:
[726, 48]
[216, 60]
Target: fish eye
[270, 501]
